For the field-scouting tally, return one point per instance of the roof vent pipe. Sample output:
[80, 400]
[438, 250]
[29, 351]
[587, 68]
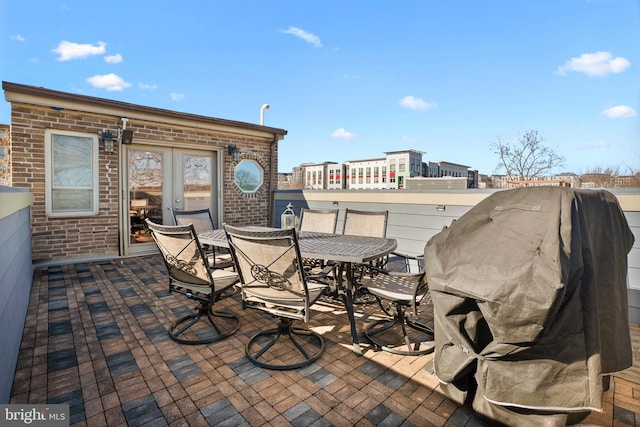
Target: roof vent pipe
[264, 107]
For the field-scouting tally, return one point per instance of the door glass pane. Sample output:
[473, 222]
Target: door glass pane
[145, 192]
[196, 190]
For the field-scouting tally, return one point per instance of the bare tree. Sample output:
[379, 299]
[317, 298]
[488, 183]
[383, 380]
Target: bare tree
[247, 180]
[611, 176]
[528, 158]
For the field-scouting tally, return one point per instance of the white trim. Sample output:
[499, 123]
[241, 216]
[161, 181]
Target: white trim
[534, 407]
[544, 408]
[159, 117]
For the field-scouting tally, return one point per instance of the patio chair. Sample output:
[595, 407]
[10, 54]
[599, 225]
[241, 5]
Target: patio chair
[191, 276]
[400, 294]
[320, 221]
[272, 280]
[203, 221]
[370, 224]
[400, 261]
[365, 223]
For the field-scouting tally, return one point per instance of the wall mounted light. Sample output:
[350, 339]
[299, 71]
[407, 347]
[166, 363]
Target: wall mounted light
[234, 151]
[127, 136]
[440, 208]
[107, 139]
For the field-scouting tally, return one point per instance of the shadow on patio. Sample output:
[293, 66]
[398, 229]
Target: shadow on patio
[95, 338]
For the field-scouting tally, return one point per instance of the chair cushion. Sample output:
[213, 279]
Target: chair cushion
[223, 279]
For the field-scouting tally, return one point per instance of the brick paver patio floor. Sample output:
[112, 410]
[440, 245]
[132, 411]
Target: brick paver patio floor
[95, 338]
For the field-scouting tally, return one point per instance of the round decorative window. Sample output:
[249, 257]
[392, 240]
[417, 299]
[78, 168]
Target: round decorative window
[248, 176]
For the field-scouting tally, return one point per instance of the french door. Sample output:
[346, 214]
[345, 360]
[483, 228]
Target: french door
[160, 180]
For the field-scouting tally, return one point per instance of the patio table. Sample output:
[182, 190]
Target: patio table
[340, 248]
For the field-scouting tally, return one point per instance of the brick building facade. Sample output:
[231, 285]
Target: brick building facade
[36, 112]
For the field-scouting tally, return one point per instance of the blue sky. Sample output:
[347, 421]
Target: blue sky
[354, 79]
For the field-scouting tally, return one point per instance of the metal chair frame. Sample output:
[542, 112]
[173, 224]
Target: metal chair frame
[371, 224]
[320, 221]
[405, 292]
[191, 276]
[202, 221]
[272, 280]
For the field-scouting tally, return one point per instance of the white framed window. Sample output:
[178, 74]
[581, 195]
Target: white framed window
[71, 173]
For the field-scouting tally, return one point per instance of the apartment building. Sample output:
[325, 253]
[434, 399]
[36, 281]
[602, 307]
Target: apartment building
[323, 176]
[389, 172]
[368, 174]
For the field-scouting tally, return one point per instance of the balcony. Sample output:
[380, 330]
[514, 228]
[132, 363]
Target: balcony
[95, 338]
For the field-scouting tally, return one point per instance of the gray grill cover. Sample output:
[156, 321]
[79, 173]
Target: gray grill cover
[530, 303]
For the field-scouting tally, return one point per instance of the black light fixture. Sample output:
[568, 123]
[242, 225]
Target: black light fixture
[127, 136]
[233, 151]
[107, 139]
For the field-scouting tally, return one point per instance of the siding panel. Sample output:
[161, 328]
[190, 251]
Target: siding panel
[413, 223]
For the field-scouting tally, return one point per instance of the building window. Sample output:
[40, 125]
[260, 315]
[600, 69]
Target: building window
[71, 174]
[248, 176]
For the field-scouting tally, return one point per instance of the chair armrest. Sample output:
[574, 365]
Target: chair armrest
[411, 261]
[406, 255]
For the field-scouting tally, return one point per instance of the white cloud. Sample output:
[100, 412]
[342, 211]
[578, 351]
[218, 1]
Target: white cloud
[110, 82]
[595, 64]
[18, 38]
[308, 37]
[342, 133]
[413, 103]
[596, 144]
[177, 96]
[113, 59]
[69, 50]
[145, 86]
[619, 112]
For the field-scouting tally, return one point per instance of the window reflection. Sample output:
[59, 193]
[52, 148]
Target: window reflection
[145, 192]
[196, 182]
[248, 176]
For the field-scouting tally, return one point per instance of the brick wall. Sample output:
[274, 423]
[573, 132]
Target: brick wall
[86, 237]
